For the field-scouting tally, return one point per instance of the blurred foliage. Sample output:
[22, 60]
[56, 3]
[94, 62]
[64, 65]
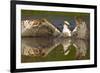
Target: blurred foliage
[37, 12]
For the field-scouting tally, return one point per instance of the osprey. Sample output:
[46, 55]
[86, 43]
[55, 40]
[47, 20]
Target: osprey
[66, 31]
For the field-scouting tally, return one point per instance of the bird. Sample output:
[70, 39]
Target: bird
[66, 31]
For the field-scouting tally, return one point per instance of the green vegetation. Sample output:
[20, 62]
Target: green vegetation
[37, 12]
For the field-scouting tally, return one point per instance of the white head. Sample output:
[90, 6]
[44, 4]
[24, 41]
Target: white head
[66, 22]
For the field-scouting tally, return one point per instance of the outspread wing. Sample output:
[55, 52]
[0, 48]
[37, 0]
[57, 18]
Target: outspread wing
[38, 28]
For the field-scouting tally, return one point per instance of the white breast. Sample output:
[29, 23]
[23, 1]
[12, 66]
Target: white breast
[66, 31]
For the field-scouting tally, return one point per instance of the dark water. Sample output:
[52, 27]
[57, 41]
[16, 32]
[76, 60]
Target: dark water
[53, 49]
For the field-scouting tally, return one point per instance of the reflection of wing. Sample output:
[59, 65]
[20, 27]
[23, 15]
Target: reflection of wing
[38, 46]
[38, 28]
[81, 47]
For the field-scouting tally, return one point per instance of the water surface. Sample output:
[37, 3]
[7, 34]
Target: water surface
[40, 49]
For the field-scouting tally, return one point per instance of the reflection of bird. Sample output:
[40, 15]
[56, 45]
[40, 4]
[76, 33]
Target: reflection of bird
[43, 27]
[66, 43]
[42, 47]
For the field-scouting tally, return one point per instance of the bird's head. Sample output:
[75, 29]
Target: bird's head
[67, 23]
